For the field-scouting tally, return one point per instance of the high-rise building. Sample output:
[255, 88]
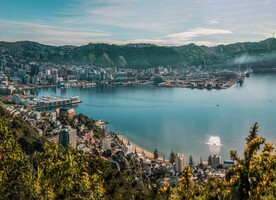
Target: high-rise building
[180, 161]
[87, 70]
[36, 79]
[55, 77]
[68, 136]
[215, 161]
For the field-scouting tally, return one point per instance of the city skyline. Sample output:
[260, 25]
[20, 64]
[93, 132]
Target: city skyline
[78, 22]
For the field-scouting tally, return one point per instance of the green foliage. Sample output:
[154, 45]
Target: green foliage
[172, 157]
[90, 124]
[145, 55]
[14, 167]
[58, 173]
[155, 153]
[191, 161]
[66, 174]
[252, 177]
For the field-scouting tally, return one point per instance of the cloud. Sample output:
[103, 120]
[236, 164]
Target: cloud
[192, 33]
[213, 21]
[246, 59]
[21, 30]
[44, 33]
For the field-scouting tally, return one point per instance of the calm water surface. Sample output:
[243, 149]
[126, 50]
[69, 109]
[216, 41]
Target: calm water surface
[179, 118]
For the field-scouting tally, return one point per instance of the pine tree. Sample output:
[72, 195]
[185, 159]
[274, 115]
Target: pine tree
[252, 173]
[191, 161]
[210, 160]
[155, 153]
[172, 157]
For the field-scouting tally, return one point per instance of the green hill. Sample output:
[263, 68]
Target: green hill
[261, 53]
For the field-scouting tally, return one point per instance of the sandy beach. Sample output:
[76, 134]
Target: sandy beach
[138, 149]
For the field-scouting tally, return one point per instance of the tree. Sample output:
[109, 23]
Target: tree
[252, 176]
[172, 157]
[200, 163]
[191, 161]
[15, 169]
[210, 160]
[155, 153]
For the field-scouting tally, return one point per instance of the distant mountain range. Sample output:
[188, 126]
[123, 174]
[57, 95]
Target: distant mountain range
[253, 54]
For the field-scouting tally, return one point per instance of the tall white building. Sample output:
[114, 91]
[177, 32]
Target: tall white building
[180, 161]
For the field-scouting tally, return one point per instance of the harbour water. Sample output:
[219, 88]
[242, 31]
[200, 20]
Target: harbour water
[182, 119]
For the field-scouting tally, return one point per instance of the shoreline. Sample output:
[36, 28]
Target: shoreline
[139, 150]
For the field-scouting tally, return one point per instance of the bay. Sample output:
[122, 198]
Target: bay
[182, 119]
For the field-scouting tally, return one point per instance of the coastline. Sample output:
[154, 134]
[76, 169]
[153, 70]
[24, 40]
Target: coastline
[139, 150]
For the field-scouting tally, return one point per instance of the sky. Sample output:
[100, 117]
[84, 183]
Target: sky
[161, 22]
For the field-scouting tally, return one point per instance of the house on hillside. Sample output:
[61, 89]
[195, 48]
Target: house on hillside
[67, 113]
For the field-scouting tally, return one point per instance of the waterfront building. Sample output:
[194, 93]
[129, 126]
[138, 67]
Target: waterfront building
[53, 101]
[127, 148]
[55, 77]
[68, 136]
[36, 79]
[180, 161]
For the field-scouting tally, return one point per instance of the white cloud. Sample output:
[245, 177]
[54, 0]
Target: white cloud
[41, 33]
[213, 21]
[192, 33]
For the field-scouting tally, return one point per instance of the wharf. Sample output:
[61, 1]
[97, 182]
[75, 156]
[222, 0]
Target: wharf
[207, 83]
[53, 102]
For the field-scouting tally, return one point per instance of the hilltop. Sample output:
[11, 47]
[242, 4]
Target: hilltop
[256, 54]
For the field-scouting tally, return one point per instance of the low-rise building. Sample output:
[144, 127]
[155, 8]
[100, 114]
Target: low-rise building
[67, 113]
[127, 148]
